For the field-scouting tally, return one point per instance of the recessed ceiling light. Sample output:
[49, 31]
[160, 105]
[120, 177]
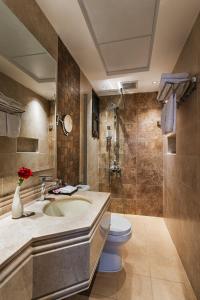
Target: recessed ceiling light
[155, 82]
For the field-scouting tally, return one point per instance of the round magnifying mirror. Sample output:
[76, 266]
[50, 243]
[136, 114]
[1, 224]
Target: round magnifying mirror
[68, 123]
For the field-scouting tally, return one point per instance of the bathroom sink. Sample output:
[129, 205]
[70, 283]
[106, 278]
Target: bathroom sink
[68, 207]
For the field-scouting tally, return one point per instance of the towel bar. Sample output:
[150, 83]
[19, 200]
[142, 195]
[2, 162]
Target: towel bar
[9, 105]
[185, 87]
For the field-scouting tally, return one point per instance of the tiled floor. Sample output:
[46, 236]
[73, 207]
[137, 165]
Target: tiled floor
[152, 268]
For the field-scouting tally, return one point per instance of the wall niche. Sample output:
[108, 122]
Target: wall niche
[27, 144]
[171, 144]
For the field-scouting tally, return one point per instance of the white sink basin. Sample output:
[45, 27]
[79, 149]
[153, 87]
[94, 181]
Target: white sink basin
[69, 207]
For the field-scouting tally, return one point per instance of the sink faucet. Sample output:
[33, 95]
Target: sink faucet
[44, 179]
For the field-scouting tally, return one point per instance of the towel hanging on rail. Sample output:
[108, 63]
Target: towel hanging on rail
[168, 116]
[13, 125]
[10, 105]
[10, 116]
[171, 84]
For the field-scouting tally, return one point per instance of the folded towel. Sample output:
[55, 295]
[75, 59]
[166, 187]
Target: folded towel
[66, 190]
[2, 123]
[176, 78]
[13, 125]
[168, 116]
[10, 104]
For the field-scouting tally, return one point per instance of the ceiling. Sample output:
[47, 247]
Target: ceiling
[116, 41]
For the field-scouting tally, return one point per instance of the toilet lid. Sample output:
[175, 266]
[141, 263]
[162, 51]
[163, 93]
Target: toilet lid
[119, 225]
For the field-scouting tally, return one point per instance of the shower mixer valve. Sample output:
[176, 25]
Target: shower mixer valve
[115, 168]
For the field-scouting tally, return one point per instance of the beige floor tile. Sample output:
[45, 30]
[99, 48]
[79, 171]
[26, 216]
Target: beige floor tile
[168, 268]
[167, 290]
[161, 248]
[135, 288]
[138, 226]
[91, 297]
[106, 284]
[190, 291]
[136, 264]
[149, 256]
[135, 246]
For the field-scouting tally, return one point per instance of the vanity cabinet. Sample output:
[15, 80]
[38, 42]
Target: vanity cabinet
[56, 266]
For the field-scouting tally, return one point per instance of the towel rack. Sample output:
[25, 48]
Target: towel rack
[10, 105]
[182, 89]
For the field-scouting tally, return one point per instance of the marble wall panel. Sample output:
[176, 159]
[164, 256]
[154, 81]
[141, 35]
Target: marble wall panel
[182, 171]
[139, 189]
[68, 102]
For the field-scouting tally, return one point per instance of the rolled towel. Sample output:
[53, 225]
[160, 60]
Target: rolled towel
[3, 131]
[13, 125]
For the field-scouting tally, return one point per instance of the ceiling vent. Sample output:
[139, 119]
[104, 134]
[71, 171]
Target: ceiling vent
[129, 85]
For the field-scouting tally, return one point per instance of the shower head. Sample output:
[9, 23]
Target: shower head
[112, 106]
[120, 104]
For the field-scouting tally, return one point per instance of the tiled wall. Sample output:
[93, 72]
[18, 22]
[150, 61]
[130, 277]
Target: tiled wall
[68, 102]
[182, 171]
[139, 189]
[35, 124]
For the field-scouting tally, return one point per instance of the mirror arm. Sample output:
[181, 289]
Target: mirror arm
[60, 120]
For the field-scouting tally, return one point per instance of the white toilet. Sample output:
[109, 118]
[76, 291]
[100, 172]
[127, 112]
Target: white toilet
[120, 232]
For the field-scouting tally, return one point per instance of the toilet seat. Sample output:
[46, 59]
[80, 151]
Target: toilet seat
[119, 226]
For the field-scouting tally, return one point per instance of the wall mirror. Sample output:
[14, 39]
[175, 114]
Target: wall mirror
[23, 58]
[28, 79]
[66, 123]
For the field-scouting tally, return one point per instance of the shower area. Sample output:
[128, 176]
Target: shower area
[113, 141]
[131, 153]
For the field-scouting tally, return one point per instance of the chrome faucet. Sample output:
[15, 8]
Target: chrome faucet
[44, 179]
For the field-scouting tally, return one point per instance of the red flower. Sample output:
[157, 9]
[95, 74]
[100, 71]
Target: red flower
[24, 173]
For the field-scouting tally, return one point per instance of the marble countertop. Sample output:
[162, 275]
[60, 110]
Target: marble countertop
[19, 233]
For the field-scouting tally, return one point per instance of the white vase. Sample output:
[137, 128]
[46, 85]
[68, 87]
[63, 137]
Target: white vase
[17, 206]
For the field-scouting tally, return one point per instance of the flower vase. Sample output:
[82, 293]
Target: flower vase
[17, 206]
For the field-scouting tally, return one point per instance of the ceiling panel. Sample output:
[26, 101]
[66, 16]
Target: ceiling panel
[113, 20]
[15, 39]
[133, 54]
[20, 47]
[39, 66]
[123, 32]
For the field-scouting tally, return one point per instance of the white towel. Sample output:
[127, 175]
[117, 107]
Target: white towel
[9, 101]
[13, 125]
[2, 123]
[168, 117]
[10, 105]
[173, 78]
